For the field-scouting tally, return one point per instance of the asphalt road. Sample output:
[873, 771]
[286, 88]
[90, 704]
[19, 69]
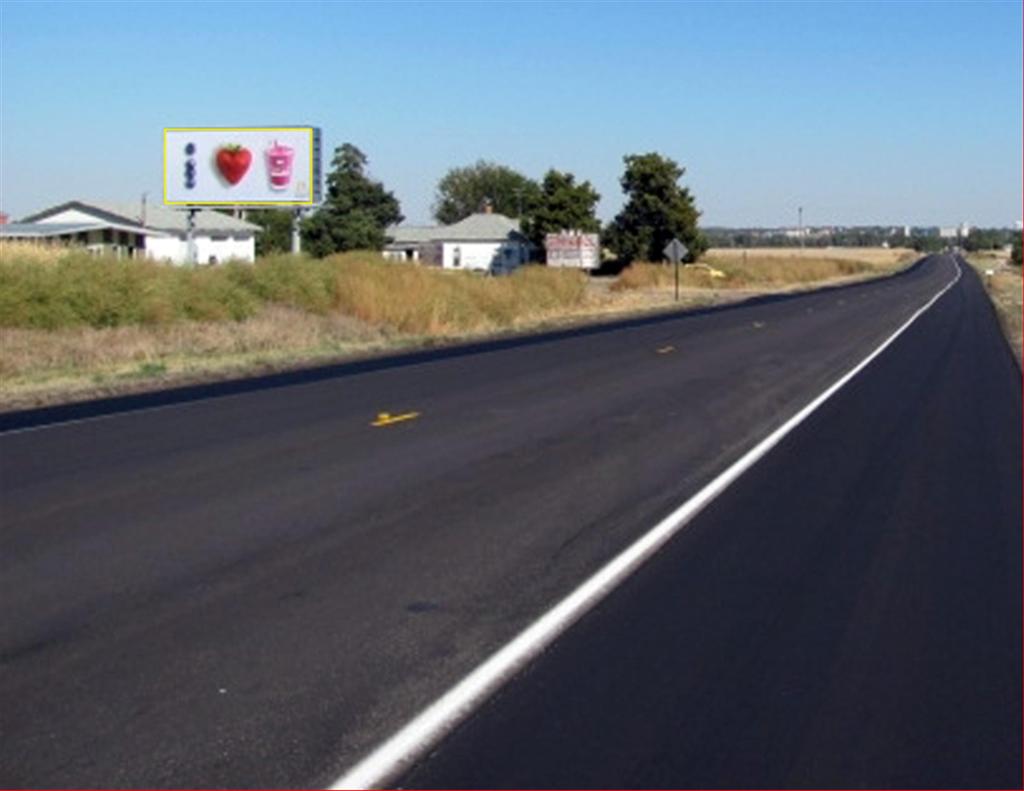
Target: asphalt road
[255, 589]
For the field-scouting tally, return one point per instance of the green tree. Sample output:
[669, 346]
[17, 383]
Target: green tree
[928, 244]
[463, 191]
[276, 236]
[562, 204]
[657, 210]
[1015, 253]
[355, 212]
[987, 239]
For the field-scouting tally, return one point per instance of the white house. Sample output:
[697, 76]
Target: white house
[483, 242]
[153, 231]
[113, 237]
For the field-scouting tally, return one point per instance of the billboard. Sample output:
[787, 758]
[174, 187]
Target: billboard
[573, 249]
[242, 166]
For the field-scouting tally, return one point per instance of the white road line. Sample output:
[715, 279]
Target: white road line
[427, 728]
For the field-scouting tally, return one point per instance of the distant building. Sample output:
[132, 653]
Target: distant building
[139, 230]
[483, 242]
[406, 241]
[96, 232]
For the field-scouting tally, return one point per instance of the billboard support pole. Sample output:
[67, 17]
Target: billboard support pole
[190, 237]
[296, 235]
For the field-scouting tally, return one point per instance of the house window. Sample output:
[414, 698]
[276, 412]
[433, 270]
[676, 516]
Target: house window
[108, 235]
[457, 257]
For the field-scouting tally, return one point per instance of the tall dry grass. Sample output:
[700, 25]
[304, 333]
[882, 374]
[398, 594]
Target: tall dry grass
[274, 332]
[67, 288]
[421, 300]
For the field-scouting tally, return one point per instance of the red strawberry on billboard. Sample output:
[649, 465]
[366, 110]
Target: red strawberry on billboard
[233, 162]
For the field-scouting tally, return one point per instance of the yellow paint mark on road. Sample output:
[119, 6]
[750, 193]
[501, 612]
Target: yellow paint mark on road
[387, 419]
[665, 350]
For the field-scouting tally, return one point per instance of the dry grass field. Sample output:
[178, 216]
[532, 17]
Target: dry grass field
[771, 268]
[73, 326]
[880, 256]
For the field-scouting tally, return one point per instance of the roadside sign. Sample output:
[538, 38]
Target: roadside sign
[675, 251]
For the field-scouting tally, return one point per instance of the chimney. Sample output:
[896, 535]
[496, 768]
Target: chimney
[488, 207]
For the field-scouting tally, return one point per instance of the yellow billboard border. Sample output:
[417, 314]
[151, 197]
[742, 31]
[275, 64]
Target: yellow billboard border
[312, 186]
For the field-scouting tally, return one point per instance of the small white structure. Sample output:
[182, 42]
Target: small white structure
[483, 242]
[407, 241]
[573, 249]
[157, 232]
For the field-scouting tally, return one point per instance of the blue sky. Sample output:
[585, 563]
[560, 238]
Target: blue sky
[860, 112]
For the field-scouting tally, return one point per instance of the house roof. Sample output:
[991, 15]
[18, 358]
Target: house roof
[35, 229]
[410, 234]
[41, 230]
[480, 227]
[158, 217]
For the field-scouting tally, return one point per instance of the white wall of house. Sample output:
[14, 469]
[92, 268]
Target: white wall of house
[223, 247]
[482, 256]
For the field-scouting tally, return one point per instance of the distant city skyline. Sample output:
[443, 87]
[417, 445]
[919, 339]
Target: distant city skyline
[861, 113]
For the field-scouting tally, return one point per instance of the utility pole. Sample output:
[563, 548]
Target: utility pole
[800, 223]
[190, 237]
[297, 232]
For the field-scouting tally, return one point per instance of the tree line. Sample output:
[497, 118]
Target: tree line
[357, 209]
[866, 236]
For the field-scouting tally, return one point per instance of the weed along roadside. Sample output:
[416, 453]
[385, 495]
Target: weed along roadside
[74, 326]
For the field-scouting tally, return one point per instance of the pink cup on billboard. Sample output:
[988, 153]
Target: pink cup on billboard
[279, 165]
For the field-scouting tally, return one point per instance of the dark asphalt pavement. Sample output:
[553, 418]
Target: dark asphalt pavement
[253, 590]
[848, 614]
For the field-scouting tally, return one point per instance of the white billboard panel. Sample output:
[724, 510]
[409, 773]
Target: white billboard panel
[573, 249]
[242, 166]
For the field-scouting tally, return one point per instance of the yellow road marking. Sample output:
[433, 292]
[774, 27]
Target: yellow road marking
[386, 419]
[665, 349]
